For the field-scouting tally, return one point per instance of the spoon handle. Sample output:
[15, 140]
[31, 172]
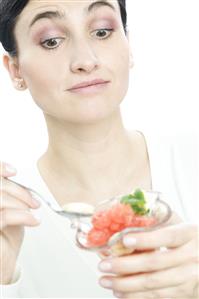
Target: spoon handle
[72, 216]
[35, 192]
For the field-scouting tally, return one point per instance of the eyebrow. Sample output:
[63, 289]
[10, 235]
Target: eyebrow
[60, 15]
[47, 15]
[99, 4]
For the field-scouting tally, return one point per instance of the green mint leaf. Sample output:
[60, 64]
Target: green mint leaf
[138, 194]
[136, 201]
[125, 199]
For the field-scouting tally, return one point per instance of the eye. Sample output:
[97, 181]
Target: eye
[102, 33]
[52, 43]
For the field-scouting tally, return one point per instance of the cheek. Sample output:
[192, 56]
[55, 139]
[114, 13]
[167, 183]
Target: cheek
[42, 78]
[122, 52]
[117, 57]
[120, 64]
[38, 73]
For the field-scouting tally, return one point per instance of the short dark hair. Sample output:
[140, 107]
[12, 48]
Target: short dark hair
[9, 13]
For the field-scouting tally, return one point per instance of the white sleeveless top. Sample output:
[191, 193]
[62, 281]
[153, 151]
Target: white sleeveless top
[51, 265]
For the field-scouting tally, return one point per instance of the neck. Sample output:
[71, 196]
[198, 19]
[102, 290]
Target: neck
[90, 159]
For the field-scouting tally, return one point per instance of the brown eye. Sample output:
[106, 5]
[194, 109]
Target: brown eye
[102, 33]
[52, 43]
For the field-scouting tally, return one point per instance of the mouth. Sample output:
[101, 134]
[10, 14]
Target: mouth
[89, 86]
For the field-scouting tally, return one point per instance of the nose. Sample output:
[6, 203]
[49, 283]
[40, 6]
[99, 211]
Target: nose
[84, 59]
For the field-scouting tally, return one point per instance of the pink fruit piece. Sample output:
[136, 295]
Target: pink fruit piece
[121, 213]
[98, 237]
[116, 227]
[101, 219]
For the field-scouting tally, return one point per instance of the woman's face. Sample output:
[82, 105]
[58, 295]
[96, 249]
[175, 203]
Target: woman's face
[65, 43]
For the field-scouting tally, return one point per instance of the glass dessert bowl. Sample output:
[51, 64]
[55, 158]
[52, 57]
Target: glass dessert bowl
[139, 211]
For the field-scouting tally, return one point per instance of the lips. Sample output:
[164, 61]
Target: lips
[88, 83]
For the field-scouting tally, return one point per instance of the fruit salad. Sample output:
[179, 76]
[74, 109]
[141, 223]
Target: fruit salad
[131, 210]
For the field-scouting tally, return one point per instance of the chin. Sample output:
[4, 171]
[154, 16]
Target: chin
[86, 111]
[93, 118]
[98, 113]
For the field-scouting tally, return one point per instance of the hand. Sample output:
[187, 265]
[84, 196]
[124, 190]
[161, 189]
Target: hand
[14, 215]
[156, 273]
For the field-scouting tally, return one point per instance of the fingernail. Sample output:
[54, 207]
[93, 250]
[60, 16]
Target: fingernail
[118, 295]
[129, 241]
[106, 283]
[10, 168]
[37, 216]
[105, 266]
[35, 200]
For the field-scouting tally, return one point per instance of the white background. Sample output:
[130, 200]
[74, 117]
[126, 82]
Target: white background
[163, 93]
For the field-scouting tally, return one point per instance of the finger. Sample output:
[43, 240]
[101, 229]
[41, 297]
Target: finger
[149, 282]
[9, 202]
[173, 292]
[17, 191]
[170, 237]
[150, 261]
[7, 170]
[13, 217]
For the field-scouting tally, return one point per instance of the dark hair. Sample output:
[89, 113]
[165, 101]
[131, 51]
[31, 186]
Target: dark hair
[10, 11]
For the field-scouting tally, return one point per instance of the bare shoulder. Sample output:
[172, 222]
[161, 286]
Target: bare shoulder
[138, 141]
[139, 148]
[141, 159]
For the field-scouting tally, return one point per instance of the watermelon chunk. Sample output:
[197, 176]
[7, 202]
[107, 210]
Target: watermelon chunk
[97, 237]
[101, 220]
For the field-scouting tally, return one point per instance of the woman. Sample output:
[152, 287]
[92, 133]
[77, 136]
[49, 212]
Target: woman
[74, 58]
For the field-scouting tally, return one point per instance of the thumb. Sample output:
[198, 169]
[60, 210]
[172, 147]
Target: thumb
[7, 170]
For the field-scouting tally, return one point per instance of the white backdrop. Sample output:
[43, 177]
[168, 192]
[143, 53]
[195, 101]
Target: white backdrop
[163, 93]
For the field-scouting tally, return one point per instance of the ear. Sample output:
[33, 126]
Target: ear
[12, 66]
[131, 61]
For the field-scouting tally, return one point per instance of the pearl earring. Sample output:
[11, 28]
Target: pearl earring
[19, 83]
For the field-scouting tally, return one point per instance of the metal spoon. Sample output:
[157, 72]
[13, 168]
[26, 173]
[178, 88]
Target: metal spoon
[72, 211]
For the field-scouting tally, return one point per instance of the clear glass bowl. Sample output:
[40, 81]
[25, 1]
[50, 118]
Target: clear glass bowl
[159, 210]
